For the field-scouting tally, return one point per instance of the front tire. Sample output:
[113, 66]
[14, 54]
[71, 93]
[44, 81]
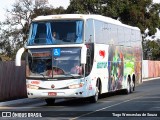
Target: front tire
[50, 101]
[94, 99]
[128, 89]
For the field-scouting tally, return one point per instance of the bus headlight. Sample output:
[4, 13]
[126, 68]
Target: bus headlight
[75, 86]
[29, 86]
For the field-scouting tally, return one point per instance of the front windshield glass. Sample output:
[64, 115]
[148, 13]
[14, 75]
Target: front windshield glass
[54, 63]
[66, 61]
[38, 62]
[56, 32]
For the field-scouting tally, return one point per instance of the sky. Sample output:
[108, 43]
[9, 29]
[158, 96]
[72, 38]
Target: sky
[4, 4]
[56, 3]
[156, 1]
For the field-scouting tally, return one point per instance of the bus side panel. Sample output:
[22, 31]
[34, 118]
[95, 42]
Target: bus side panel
[123, 61]
[138, 64]
[112, 65]
[100, 66]
[115, 67]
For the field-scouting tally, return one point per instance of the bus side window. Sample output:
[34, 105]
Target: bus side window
[89, 37]
[88, 64]
[71, 37]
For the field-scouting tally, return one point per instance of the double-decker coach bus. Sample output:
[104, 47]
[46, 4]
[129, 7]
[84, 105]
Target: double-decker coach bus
[80, 56]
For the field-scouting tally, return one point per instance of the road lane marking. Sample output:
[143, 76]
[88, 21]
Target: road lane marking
[150, 97]
[148, 101]
[103, 108]
[104, 101]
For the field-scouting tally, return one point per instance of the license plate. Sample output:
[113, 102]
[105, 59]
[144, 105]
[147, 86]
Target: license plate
[52, 93]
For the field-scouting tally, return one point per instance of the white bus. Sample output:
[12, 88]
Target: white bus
[80, 56]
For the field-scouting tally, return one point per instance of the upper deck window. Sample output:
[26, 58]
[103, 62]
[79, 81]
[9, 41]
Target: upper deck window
[56, 32]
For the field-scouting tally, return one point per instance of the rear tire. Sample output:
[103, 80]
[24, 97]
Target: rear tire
[133, 80]
[94, 99]
[133, 86]
[50, 101]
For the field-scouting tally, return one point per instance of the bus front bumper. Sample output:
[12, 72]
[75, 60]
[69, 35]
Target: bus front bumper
[65, 93]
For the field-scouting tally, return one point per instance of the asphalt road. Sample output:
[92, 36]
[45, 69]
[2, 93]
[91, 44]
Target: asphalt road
[142, 104]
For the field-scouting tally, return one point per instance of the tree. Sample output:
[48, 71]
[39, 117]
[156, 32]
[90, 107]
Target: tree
[17, 23]
[151, 50]
[141, 13]
[16, 26]
[13, 32]
[85, 6]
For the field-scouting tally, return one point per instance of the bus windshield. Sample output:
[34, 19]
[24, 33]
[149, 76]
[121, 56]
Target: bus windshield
[56, 32]
[44, 63]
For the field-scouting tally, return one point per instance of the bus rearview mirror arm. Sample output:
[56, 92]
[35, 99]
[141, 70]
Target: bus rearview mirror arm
[18, 56]
[83, 54]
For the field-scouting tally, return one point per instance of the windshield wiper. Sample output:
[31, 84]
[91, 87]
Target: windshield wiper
[72, 76]
[42, 75]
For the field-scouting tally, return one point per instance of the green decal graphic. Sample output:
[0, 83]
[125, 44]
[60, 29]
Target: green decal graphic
[102, 65]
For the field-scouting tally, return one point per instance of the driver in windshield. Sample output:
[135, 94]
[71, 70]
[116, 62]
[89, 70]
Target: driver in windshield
[39, 66]
[77, 69]
[55, 36]
[56, 71]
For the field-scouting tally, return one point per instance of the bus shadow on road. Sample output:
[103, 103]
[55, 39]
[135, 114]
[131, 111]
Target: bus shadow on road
[109, 94]
[85, 101]
[71, 102]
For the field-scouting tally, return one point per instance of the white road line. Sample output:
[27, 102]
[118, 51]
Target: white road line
[147, 101]
[156, 107]
[149, 97]
[104, 101]
[104, 108]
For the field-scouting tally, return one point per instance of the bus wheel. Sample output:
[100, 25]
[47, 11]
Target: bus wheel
[50, 101]
[128, 89]
[94, 99]
[133, 82]
[133, 86]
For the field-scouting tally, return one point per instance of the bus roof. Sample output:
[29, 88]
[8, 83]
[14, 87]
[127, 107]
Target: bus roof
[85, 17]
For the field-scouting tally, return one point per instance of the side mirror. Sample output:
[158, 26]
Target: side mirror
[18, 56]
[83, 54]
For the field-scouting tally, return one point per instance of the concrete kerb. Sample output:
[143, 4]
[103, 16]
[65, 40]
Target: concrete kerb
[149, 79]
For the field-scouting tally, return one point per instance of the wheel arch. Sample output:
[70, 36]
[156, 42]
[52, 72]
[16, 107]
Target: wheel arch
[133, 77]
[129, 77]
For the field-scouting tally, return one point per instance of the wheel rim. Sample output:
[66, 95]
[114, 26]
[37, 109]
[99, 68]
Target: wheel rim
[97, 92]
[133, 86]
[128, 87]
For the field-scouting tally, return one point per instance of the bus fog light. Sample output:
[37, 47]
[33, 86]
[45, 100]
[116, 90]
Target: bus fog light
[75, 86]
[32, 87]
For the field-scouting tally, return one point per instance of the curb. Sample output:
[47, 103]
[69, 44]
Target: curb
[149, 79]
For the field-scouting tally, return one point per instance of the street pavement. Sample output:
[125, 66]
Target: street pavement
[143, 104]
